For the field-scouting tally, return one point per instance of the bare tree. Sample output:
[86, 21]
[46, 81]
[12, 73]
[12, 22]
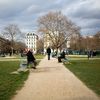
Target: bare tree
[19, 46]
[10, 32]
[75, 42]
[58, 27]
[97, 41]
[4, 45]
[40, 45]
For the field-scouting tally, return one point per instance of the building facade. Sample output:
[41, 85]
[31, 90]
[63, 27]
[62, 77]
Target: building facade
[31, 41]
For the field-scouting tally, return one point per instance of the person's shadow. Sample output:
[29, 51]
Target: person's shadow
[45, 69]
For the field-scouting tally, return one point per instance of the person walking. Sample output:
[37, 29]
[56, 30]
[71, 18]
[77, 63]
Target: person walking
[31, 59]
[48, 52]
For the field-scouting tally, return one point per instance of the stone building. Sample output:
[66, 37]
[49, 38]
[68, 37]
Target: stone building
[31, 41]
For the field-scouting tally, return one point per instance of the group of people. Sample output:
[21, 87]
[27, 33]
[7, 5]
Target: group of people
[90, 54]
[31, 60]
[60, 57]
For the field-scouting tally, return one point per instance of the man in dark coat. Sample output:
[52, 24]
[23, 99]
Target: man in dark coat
[48, 52]
[30, 59]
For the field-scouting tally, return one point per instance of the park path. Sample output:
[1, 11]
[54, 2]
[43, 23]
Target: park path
[52, 81]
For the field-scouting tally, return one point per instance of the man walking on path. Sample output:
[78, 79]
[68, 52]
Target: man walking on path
[52, 81]
[48, 52]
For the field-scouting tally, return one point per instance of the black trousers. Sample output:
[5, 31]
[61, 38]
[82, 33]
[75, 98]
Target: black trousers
[48, 56]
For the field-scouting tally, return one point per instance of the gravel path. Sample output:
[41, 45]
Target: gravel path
[52, 81]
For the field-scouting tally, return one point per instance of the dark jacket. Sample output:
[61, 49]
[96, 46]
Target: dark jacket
[30, 57]
[48, 50]
[63, 54]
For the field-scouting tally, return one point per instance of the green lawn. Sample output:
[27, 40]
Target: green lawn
[39, 56]
[18, 57]
[9, 83]
[88, 71]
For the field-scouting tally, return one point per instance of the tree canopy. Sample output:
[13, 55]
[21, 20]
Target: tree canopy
[58, 27]
[10, 32]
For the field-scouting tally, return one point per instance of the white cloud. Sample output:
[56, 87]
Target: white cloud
[84, 13]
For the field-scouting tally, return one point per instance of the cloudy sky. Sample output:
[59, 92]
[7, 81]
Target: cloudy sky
[24, 13]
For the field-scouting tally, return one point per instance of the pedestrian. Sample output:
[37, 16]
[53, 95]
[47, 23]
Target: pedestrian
[31, 61]
[48, 52]
[61, 56]
[91, 53]
[88, 54]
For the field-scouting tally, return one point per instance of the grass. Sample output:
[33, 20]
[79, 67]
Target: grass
[87, 71]
[18, 57]
[39, 56]
[10, 83]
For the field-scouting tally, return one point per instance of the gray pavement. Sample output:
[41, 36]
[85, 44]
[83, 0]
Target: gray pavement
[52, 81]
